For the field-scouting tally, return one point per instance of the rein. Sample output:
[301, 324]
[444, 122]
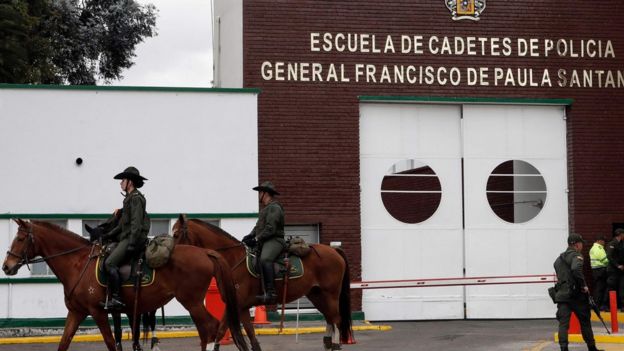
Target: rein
[24, 260]
[184, 231]
[229, 247]
[84, 269]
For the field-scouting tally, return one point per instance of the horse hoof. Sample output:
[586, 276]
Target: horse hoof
[154, 343]
[336, 347]
[256, 347]
[136, 347]
[118, 347]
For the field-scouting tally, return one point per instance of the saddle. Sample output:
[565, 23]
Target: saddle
[279, 266]
[127, 271]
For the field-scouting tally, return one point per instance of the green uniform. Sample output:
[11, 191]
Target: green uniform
[131, 231]
[570, 297]
[269, 231]
[615, 276]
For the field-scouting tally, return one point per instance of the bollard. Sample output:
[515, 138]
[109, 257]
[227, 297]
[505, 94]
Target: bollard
[613, 307]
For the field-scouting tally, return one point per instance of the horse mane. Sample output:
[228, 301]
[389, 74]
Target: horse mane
[213, 228]
[61, 230]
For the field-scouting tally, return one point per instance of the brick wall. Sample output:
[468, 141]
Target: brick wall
[308, 131]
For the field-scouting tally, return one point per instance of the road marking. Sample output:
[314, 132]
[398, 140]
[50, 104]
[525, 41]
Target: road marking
[540, 346]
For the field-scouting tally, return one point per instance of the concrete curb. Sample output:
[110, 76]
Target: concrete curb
[600, 338]
[606, 316]
[183, 334]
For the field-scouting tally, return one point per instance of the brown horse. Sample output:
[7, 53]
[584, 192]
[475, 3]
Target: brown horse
[71, 257]
[325, 281]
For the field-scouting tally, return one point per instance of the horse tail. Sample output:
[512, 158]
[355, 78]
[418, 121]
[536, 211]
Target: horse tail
[344, 302]
[227, 290]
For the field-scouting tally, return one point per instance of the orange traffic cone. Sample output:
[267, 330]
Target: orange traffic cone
[351, 340]
[227, 338]
[575, 326]
[260, 316]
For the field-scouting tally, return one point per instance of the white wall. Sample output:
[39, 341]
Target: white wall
[228, 43]
[198, 150]
[197, 147]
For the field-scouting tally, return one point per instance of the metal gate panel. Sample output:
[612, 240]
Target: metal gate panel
[391, 249]
[494, 134]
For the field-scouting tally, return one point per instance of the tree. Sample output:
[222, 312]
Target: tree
[70, 41]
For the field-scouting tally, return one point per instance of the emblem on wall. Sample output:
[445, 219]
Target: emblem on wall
[466, 9]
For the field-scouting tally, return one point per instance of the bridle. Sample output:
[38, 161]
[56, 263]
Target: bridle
[30, 240]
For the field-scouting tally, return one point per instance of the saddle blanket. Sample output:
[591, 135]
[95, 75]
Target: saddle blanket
[296, 267]
[149, 274]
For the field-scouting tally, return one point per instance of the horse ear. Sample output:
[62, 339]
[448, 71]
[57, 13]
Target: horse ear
[89, 228]
[182, 218]
[20, 222]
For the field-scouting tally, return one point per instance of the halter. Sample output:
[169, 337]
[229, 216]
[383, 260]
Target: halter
[30, 239]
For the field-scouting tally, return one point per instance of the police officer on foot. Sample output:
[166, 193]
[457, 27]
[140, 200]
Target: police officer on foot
[572, 294]
[615, 266]
[130, 233]
[598, 261]
[269, 235]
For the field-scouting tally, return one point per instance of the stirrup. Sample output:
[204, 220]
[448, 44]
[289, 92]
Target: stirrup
[112, 304]
[267, 299]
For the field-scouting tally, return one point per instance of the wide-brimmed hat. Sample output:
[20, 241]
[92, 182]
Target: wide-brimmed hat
[133, 174]
[267, 187]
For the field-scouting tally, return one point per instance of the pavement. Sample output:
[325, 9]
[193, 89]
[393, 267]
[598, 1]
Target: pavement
[456, 335]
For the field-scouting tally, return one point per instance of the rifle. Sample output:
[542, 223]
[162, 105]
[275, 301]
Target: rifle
[595, 308]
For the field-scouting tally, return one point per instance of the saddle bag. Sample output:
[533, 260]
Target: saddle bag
[298, 247]
[159, 250]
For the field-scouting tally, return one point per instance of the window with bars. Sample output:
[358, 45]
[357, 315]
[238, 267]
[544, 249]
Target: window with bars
[41, 269]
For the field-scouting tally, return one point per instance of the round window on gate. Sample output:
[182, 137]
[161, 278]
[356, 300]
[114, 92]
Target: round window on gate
[516, 191]
[411, 191]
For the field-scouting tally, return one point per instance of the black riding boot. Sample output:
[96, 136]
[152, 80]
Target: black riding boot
[268, 277]
[114, 283]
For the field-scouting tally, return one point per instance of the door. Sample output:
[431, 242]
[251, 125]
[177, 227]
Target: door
[460, 190]
[516, 205]
[418, 145]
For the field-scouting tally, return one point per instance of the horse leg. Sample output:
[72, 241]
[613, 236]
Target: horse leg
[136, 332]
[206, 324]
[152, 327]
[117, 330]
[101, 320]
[328, 306]
[71, 325]
[249, 330]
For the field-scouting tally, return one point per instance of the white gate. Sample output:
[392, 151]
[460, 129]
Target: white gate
[460, 190]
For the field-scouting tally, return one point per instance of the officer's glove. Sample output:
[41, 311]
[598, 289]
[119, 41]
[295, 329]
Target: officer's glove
[250, 240]
[94, 233]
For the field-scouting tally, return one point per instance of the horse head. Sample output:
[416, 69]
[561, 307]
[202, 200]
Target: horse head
[22, 249]
[180, 231]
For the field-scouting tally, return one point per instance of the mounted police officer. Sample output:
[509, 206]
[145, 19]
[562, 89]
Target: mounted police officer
[269, 235]
[572, 294]
[130, 233]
